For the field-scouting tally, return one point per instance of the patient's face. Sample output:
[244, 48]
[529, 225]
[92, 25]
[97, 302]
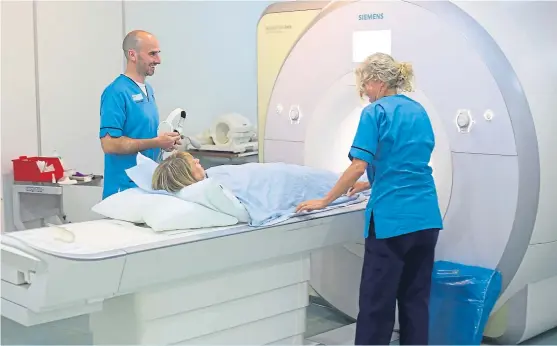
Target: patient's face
[197, 170]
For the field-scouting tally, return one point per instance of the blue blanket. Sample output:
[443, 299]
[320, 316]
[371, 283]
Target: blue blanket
[271, 191]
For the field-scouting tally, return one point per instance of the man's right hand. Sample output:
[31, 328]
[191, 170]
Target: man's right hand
[167, 140]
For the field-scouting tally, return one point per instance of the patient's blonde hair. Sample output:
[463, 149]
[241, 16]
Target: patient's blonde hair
[174, 173]
[382, 67]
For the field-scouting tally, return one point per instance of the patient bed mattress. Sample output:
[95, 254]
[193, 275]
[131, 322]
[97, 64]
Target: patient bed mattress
[101, 239]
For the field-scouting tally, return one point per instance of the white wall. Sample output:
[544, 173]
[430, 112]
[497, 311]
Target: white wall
[1, 184]
[58, 57]
[208, 55]
[18, 98]
[77, 58]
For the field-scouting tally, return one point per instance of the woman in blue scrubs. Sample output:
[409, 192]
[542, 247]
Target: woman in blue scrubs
[393, 143]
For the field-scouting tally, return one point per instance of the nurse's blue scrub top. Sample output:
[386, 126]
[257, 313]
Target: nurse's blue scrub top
[126, 111]
[396, 139]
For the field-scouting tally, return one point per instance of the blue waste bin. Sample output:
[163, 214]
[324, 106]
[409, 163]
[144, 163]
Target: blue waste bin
[462, 298]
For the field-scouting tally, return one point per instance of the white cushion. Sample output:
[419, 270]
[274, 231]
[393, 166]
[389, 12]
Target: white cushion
[160, 212]
[127, 205]
[213, 195]
[179, 214]
[142, 173]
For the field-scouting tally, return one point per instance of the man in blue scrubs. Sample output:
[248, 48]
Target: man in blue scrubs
[129, 114]
[393, 142]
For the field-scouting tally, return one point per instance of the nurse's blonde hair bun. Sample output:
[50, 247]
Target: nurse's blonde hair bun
[406, 77]
[382, 67]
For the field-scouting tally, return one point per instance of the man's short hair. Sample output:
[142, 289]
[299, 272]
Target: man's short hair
[133, 40]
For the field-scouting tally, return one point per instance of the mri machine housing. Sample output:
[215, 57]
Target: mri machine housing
[491, 116]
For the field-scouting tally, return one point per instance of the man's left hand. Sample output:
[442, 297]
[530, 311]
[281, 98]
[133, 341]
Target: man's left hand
[311, 205]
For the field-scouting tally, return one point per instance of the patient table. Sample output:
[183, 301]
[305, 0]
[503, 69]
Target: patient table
[226, 285]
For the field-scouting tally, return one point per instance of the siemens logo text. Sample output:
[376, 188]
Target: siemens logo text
[370, 16]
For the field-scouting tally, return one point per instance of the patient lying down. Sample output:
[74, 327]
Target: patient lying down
[177, 171]
[268, 191]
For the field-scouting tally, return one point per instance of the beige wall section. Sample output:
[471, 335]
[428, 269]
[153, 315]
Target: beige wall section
[18, 98]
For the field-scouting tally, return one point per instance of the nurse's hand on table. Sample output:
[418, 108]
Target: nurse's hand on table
[358, 187]
[311, 205]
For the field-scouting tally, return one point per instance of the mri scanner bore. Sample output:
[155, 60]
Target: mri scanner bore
[486, 163]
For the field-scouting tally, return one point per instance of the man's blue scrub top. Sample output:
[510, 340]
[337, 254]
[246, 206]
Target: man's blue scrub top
[126, 111]
[396, 139]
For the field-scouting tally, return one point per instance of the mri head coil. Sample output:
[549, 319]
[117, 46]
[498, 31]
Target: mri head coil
[174, 122]
[232, 129]
[231, 132]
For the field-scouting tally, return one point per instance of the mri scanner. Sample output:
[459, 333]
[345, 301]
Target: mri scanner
[245, 285]
[490, 115]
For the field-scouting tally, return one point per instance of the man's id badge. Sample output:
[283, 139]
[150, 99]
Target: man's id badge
[137, 97]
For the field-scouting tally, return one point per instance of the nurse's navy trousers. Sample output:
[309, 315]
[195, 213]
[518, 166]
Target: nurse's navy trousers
[398, 268]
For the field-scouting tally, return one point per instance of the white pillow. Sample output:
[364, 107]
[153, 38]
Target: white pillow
[127, 205]
[142, 173]
[213, 195]
[160, 212]
[179, 214]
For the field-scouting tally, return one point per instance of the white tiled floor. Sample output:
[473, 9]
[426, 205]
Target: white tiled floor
[75, 331]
